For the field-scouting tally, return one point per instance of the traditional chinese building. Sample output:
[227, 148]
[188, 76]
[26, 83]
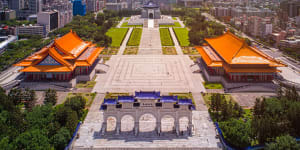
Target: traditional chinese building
[150, 10]
[230, 57]
[63, 60]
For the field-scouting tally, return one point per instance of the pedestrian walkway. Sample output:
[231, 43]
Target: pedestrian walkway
[180, 22]
[150, 23]
[176, 44]
[123, 46]
[150, 42]
[120, 23]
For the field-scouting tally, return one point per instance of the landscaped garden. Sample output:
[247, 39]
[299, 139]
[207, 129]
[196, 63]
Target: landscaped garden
[110, 51]
[210, 85]
[194, 58]
[115, 95]
[105, 58]
[86, 84]
[135, 37]
[117, 35]
[174, 18]
[170, 50]
[189, 51]
[131, 50]
[89, 97]
[176, 24]
[182, 35]
[125, 25]
[165, 37]
[273, 123]
[183, 96]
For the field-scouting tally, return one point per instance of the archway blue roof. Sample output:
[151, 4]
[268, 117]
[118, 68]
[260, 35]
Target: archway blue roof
[150, 4]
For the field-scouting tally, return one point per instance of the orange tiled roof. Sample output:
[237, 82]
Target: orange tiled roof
[71, 44]
[266, 70]
[83, 57]
[234, 50]
[211, 60]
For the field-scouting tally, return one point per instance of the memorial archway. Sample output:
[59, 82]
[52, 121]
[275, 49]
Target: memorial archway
[151, 16]
[147, 123]
[111, 123]
[183, 123]
[167, 123]
[127, 123]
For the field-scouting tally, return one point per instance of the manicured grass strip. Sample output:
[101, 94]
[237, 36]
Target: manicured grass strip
[207, 97]
[125, 24]
[174, 18]
[176, 24]
[209, 85]
[182, 35]
[127, 18]
[87, 84]
[117, 35]
[165, 37]
[131, 50]
[135, 37]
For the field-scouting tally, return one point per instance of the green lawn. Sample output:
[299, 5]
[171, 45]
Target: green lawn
[110, 51]
[131, 50]
[209, 85]
[174, 18]
[165, 37]
[127, 18]
[176, 24]
[125, 24]
[182, 35]
[183, 96]
[135, 37]
[87, 84]
[117, 35]
[115, 95]
[169, 50]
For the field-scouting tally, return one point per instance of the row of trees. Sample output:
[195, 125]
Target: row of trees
[273, 121]
[39, 127]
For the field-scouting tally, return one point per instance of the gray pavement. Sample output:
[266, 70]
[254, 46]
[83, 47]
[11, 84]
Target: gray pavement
[150, 42]
[124, 43]
[165, 73]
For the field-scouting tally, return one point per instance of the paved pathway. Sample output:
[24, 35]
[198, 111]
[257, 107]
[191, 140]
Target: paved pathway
[124, 43]
[180, 22]
[150, 23]
[177, 46]
[150, 42]
[121, 22]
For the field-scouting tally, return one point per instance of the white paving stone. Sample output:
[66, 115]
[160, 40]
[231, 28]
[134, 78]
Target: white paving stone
[165, 73]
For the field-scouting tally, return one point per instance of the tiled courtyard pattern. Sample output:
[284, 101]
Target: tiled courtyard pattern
[150, 43]
[165, 73]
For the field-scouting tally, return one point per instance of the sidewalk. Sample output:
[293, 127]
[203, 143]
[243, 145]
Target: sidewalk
[176, 44]
[124, 43]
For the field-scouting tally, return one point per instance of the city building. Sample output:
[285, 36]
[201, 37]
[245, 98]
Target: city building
[7, 14]
[228, 59]
[64, 9]
[116, 5]
[32, 30]
[79, 7]
[292, 42]
[93, 5]
[278, 37]
[291, 7]
[24, 8]
[66, 61]
[48, 19]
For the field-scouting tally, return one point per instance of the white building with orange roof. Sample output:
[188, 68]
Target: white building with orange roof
[64, 60]
[229, 57]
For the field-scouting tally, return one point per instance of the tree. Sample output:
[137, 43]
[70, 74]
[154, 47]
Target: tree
[15, 95]
[61, 138]
[29, 98]
[71, 122]
[33, 139]
[50, 97]
[285, 142]
[236, 132]
[76, 103]
[5, 144]
[39, 117]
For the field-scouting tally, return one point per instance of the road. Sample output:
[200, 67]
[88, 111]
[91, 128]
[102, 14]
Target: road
[273, 52]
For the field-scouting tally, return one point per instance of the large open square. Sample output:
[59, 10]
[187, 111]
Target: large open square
[149, 72]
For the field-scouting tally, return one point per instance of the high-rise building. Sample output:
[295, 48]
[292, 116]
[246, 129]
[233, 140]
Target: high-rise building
[79, 7]
[49, 19]
[93, 5]
[24, 8]
[291, 7]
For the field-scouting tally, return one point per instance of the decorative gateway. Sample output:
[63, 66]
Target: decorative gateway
[147, 103]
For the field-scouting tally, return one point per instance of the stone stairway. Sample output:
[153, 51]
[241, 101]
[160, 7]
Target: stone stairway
[156, 23]
[145, 23]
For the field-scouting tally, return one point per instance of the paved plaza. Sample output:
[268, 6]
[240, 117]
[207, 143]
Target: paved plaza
[165, 73]
[150, 42]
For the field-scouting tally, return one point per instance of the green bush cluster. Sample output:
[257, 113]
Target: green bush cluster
[117, 35]
[135, 37]
[41, 127]
[182, 35]
[165, 37]
[176, 24]
[125, 25]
